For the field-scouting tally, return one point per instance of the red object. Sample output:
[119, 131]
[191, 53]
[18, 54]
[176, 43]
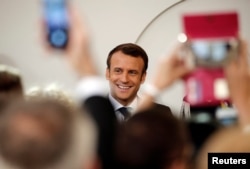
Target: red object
[215, 25]
[199, 86]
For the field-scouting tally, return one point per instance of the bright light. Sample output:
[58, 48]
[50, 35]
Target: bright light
[182, 38]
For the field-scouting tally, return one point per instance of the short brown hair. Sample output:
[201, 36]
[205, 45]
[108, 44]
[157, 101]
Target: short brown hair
[132, 50]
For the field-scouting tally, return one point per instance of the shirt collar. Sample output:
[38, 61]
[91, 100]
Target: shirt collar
[132, 106]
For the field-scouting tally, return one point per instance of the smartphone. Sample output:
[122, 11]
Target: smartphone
[212, 41]
[57, 22]
[212, 37]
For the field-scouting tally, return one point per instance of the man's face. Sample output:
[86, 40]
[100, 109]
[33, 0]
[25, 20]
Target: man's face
[125, 76]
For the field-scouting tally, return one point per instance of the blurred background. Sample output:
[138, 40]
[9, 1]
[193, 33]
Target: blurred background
[153, 24]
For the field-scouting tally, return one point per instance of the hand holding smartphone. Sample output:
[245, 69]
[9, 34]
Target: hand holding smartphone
[55, 13]
[212, 38]
[212, 41]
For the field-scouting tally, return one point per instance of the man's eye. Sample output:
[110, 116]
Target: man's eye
[133, 72]
[117, 70]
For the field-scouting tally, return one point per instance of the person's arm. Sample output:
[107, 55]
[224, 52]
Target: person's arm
[91, 89]
[169, 69]
[78, 52]
[79, 57]
[238, 78]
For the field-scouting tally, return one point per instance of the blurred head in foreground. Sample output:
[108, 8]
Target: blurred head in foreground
[43, 134]
[153, 139]
[233, 139]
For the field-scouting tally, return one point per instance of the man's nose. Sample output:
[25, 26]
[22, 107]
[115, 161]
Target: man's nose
[124, 77]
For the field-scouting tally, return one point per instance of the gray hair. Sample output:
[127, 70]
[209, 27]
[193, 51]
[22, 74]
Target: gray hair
[80, 151]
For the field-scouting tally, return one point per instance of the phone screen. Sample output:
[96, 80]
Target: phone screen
[57, 25]
[213, 51]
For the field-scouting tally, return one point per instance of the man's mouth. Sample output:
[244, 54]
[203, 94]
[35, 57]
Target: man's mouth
[124, 87]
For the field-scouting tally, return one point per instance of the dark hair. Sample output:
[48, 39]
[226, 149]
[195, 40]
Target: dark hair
[132, 50]
[151, 139]
[10, 85]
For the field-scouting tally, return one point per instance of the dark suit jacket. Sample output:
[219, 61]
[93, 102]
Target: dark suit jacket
[102, 111]
[162, 108]
[104, 116]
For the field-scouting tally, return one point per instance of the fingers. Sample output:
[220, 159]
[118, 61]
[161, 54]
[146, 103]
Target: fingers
[241, 60]
[74, 18]
[243, 52]
[43, 36]
[76, 21]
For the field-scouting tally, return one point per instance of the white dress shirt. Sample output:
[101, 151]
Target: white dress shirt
[131, 107]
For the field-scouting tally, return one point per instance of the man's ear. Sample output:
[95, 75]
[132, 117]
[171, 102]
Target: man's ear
[143, 77]
[107, 73]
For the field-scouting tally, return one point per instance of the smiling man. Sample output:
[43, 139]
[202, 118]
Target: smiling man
[126, 71]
